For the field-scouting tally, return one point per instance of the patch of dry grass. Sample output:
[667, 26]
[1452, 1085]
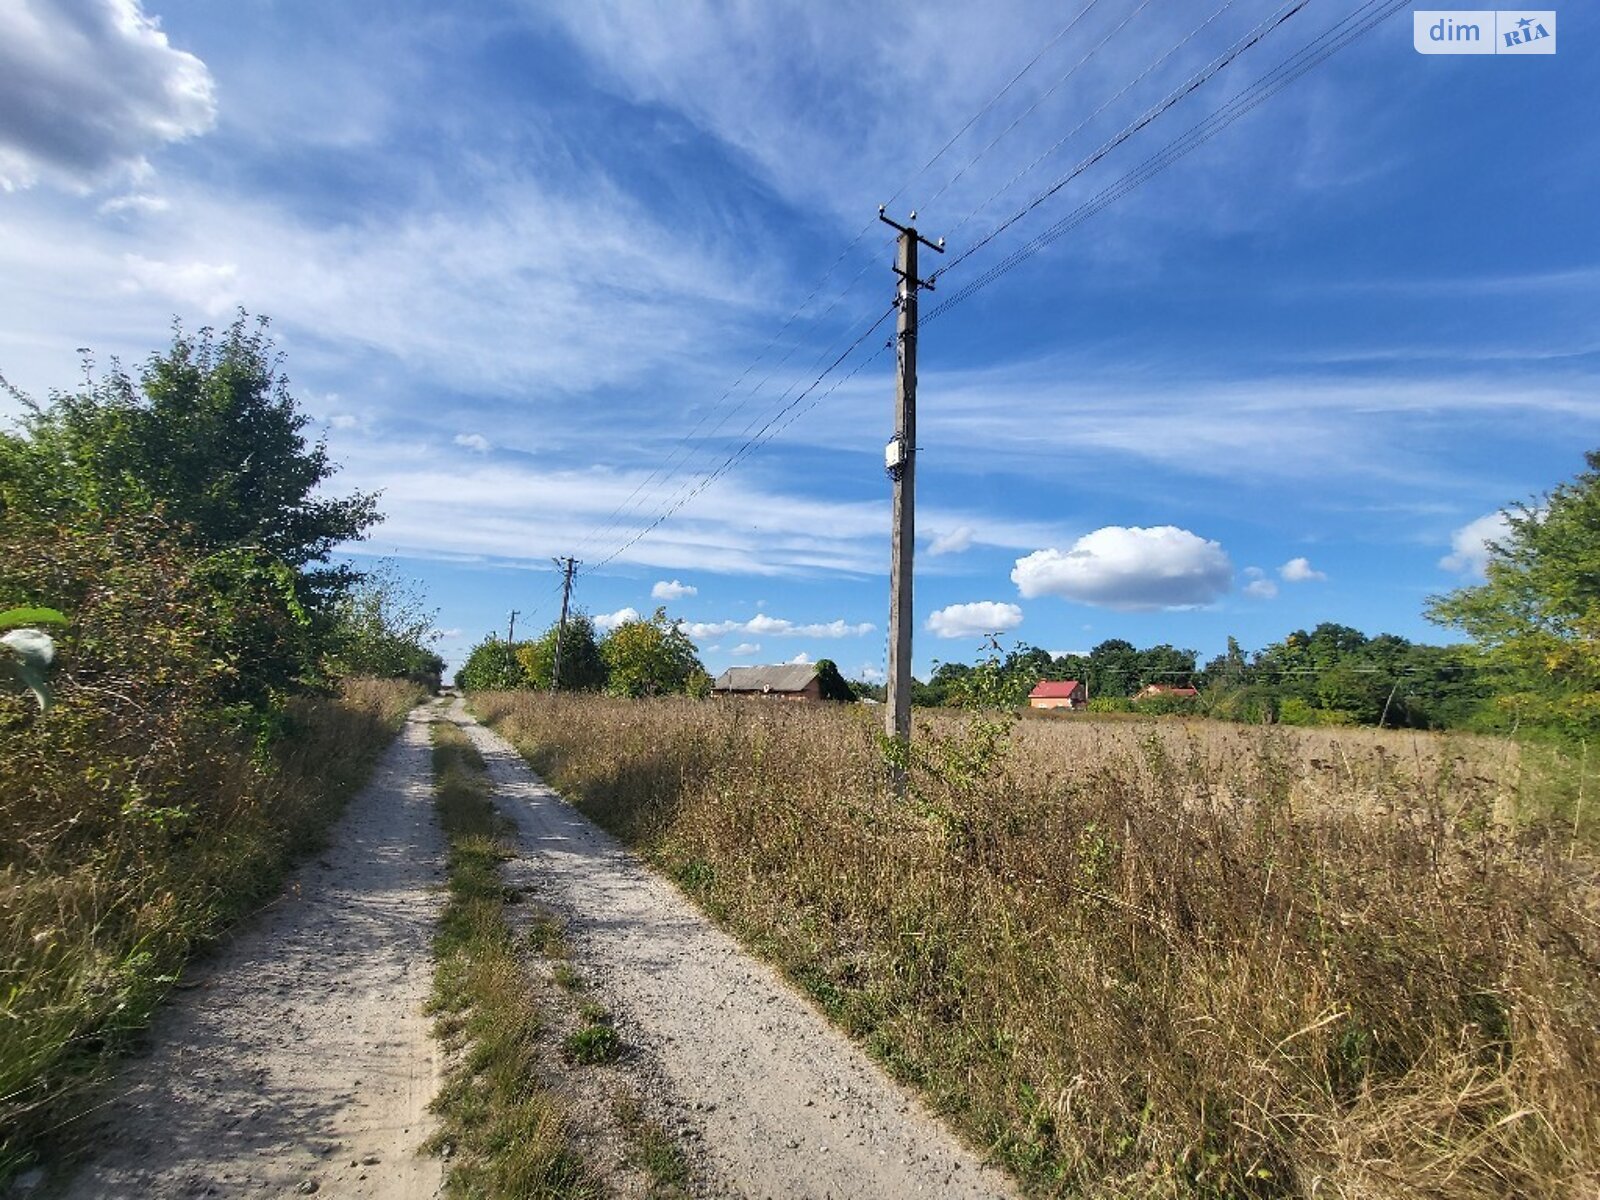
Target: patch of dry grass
[1152, 959]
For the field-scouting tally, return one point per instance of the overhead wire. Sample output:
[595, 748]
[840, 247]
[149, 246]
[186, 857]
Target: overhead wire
[1038, 100]
[744, 449]
[686, 442]
[952, 233]
[663, 472]
[1311, 55]
[789, 408]
[1198, 80]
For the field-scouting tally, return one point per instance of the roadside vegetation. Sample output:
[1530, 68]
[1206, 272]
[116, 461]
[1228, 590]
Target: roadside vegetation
[191, 711]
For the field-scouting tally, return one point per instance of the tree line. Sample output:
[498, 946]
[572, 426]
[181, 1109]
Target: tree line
[1532, 661]
[647, 656]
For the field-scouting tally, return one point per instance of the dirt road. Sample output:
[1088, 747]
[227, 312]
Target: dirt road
[783, 1104]
[302, 1063]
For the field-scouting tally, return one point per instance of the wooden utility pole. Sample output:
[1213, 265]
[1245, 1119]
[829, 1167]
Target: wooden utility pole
[568, 565]
[900, 458]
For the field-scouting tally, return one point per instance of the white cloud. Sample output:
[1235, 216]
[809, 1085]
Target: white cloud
[475, 442]
[952, 542]
[1300, 570]
[1261, 589]
[973, 620]
[140, 203]
[745, 649]
[1469, 545]
[764, 626]
[1131, 569]
[801, 660]
[87, 87]
[672, 590]
[606, 622]
[344, 420]
[213, 288]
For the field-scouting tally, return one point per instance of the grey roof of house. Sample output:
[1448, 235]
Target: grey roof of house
[791, 677]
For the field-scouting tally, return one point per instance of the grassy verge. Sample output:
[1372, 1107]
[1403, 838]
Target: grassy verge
[107, 891]
[1158, 960]
[506, 1134]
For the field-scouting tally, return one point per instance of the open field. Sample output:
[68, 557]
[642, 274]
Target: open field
[1148, 959]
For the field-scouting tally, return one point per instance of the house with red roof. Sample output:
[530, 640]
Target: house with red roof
[1058, 693]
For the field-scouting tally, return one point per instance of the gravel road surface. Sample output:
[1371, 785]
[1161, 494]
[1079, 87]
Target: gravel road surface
[302, 1062]
[781, 1102]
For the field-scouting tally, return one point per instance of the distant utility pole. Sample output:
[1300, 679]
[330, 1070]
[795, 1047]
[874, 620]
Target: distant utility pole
[568, 565]
[900, 458]
[511, 642]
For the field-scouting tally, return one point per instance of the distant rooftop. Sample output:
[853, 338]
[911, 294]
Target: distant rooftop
[1054, 689]
[790, 677]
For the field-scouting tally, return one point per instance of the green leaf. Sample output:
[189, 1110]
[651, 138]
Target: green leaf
[13, 618]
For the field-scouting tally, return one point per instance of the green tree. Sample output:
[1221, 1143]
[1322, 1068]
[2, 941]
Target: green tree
[582, 668]
[211, 435]
[1535, 620]
[382, 627]
[650, 657]
[492, 665]
[1113, 668]
[834, 685]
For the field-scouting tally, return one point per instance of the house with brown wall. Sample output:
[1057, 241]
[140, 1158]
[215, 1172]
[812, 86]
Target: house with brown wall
[791, 681]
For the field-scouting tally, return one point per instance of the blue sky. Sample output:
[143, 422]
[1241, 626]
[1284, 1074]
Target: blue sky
[540, 268]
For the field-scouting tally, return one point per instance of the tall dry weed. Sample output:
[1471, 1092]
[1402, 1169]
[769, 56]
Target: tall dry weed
[1153, 959]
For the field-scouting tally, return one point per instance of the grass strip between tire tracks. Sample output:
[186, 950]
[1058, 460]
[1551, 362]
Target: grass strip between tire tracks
[503, 1133]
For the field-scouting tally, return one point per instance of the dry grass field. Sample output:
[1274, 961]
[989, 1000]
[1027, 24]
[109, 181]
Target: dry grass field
[1148, 958]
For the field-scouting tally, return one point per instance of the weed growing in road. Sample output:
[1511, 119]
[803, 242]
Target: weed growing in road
[507, 1133]
[654, 1151]
[1149, 959]
[596, 1042]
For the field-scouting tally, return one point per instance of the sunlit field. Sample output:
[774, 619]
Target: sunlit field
[1149, 957]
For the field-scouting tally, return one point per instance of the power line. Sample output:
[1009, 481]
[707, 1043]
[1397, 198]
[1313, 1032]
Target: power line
[1268, 85]
[1150, 115]
[1038, 100]
[1308, 57]
[663, 472]
[749, 443]
[1110, 100]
